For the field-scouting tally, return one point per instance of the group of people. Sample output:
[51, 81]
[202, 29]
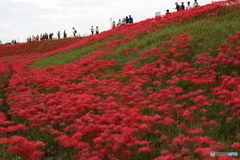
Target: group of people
[96, 30]
[183, 7]
[124, 21]
[46, 36]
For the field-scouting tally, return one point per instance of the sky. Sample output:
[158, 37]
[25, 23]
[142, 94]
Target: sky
[20, 19]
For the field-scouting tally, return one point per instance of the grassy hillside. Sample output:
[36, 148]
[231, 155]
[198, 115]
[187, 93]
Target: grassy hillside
[163, 89]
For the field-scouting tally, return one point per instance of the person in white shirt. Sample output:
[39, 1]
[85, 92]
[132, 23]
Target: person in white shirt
[92, 30]
[74, 31]
[113, 24]
[123, 21]
[195, 4]
[119, 23]
[97, 30]
[188, 5]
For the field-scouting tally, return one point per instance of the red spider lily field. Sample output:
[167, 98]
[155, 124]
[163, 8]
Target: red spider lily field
[166, 88]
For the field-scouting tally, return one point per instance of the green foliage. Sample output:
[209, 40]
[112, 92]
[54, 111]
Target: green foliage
[72, 55]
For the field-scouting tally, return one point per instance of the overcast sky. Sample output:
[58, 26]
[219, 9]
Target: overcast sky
[20, 19]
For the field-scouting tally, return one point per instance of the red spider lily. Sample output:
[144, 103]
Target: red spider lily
[145, 149]
[204, 152]
[236, 146]
[195, 131]
[111, 116]
[22, 146]
[163, 138]
[167, 121]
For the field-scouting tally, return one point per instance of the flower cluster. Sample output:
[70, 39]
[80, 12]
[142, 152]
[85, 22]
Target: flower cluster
[173, 103]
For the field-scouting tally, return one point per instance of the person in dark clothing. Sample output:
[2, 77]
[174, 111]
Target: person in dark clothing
[127, 21]
[58, 34]
[183, 6]
[130, 19]
[50, 35]
[167, 12]
[64, 34]
[178, 8]
[46, 36]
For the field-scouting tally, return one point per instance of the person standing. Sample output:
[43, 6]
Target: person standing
[58, 34]
[46, 35]
[97, 30]
[188, 5]
[74, 31]
[92, 30]
[195, 4]
[130, 19]
[127, 20]
[64, 34]
[119, 23]
[182, 6]
[178, 8]
[123, 21]
[113, 24]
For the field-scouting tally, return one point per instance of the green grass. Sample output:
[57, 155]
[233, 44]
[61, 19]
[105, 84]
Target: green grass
[72, 55]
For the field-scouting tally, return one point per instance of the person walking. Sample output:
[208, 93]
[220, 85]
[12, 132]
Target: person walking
[58, 34]
[97, 30]
[74, 31]
[130, 19]
[178, 8]
[182, 6]
[92, 30]
[188, 5]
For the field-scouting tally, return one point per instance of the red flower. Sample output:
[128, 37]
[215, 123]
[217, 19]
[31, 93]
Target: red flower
[236, 146]
[145, 149]
[195, 131]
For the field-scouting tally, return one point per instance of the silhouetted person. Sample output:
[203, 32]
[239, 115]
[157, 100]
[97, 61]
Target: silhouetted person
[183, 6]
[127, 20]
[167, 12]
[50, 35]
[46, 36]
[58, 34]
[64, 34]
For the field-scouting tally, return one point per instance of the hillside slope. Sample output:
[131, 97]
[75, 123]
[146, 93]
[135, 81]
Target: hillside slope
[163, 88]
